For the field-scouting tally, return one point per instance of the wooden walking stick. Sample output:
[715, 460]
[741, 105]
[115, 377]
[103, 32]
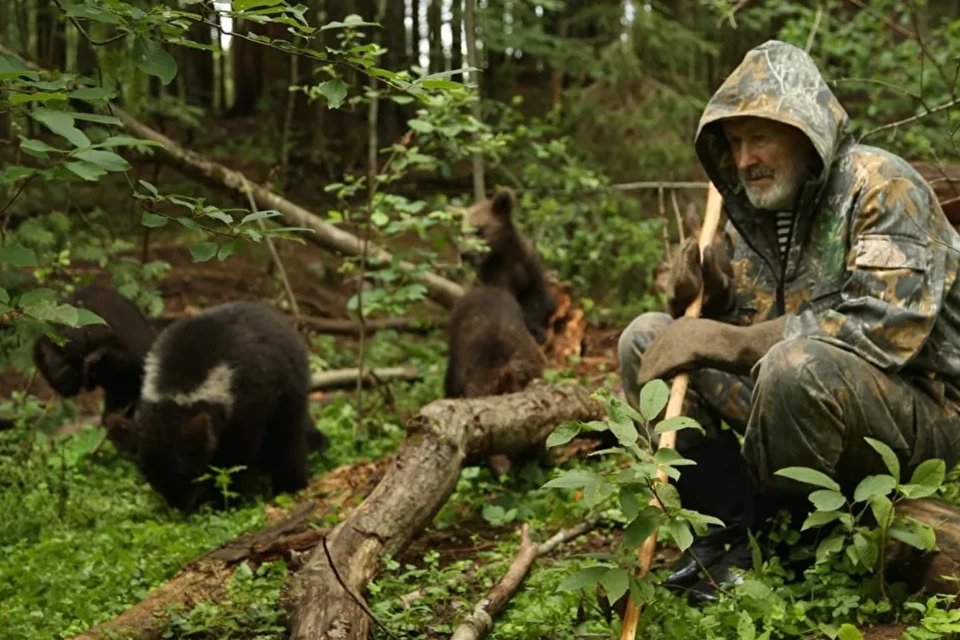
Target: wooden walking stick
[678, 390]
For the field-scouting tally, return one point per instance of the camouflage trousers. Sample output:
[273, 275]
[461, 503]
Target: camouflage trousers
[807, 403]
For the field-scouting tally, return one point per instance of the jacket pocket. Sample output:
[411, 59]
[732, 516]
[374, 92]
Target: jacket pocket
[891, 252]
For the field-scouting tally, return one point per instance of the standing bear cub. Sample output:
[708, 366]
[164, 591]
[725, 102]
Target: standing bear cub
[511, 262]
[226, 387]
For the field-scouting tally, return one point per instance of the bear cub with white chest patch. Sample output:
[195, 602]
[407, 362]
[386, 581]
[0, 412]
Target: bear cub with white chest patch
[224, 388]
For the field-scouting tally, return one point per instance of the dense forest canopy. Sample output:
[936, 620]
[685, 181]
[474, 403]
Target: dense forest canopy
[323, 157]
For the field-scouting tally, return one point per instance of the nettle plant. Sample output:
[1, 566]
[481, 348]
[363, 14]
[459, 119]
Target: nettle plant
[632, 493]
[853, 546]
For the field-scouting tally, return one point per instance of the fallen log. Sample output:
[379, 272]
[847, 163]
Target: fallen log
[328, 236]
[336, 378]
[444, 436]
[931, 572]
[205, 578]
[480, 622]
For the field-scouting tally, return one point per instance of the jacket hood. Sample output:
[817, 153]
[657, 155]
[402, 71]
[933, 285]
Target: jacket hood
[778, 81]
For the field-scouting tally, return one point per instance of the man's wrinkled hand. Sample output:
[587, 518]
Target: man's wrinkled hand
[688, 344]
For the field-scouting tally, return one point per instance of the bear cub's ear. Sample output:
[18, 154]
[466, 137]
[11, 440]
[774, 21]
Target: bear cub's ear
[504, 201]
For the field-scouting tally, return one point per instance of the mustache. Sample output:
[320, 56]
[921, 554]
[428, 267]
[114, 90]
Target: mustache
[755, 173]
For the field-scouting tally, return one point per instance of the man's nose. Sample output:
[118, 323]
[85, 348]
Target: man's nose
[745, 158]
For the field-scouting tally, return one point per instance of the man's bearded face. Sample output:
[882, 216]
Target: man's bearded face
[772, 160]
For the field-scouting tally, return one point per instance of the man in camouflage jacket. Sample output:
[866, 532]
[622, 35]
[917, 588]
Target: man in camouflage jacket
[831, 310]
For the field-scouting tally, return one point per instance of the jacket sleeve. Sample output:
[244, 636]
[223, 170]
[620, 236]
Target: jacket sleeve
[895, 274]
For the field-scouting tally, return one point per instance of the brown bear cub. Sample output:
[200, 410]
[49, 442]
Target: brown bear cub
[226, 387]
[491, 351]
[96, 355]
[511, 262]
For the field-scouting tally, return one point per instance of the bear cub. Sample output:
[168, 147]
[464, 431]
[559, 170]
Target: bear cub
[96, 355]
[511, 262]
[491, 351]
[226, 387]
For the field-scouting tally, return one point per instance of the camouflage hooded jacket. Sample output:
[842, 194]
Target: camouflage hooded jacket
[871, 265]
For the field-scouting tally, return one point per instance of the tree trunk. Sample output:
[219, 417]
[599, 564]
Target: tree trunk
[456, 30]
[441, 439]
[434, 37]
[470, 24]
[247, 69]
[51, 37]
[198, 73]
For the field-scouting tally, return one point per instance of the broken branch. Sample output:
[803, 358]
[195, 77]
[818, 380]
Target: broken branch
[344, 377]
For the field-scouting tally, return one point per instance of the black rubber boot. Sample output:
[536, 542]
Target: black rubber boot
[727, 571]
[704, 552]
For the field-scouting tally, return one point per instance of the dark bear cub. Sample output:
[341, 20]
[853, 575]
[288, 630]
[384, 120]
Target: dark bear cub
[108, 356]
[491, 352]
[226, 387]
[512, 262]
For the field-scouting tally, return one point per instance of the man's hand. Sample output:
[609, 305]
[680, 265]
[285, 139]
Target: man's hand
[687, 273]
[697, 343]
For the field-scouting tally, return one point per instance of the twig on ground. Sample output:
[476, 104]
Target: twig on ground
[814, 28]
[478, 624]
[676, 213]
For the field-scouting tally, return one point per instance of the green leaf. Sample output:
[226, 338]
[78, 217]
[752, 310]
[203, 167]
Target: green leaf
[629, 503]
[259, 215]
[148, 219]
[96, 117]
[615, 583]
[679, 532]
[563, 434]
[12, 67]
[930, 473]
[670, 457]
[441, 84]
[203, 251]
[881, 506]
[879, 485]
[334, 91]
[227, 249]
[106, 160]
[827, 500]
[151, 58]
[36, 148]
[94, 95]
[17, 256]
[127, 141]
[653, 398]
[85, 170]
[39, 96]
[849, 632]
[830, 546]
[641, 528]
[149, 187]
[819, 518]
[379, 219]
[624, 430]
[907, 537]
[4, 296]
[889, 457]
[575, 479]
[866, 549]
[808, 476]
[61, 124]
[420, 125]
[583, 578]
[745, 628]
[244, 5]
[85, 317]
[676, 423]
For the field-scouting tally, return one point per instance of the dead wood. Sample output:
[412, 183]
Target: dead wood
[566, 328]
[444, 435]
[204, 579]
[478, 624]
[337, 378]
[935, 572]
[326, 235]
